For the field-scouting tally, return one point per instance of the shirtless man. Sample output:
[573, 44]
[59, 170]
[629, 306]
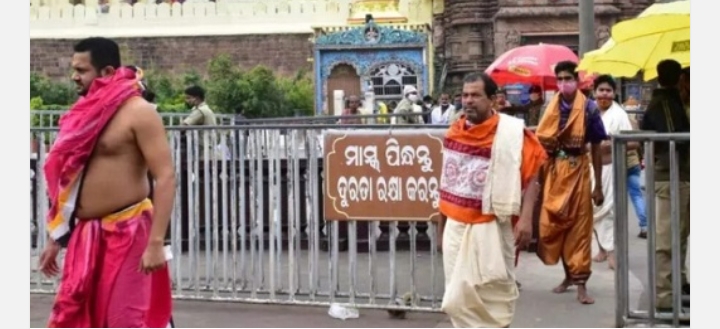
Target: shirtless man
[113, 190]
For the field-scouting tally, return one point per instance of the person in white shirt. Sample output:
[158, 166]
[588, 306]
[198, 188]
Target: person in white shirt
[615, 120]
[442, 113]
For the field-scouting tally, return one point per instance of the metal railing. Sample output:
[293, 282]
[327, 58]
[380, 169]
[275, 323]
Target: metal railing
[646, 312]
[49, 118]
[248, 225]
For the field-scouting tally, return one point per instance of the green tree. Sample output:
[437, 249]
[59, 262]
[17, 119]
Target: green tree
[263, 95]
[298, 93]
[52, 92]
[259, 92]
[224, 89]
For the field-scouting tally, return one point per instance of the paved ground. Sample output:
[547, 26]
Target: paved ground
[537, 307]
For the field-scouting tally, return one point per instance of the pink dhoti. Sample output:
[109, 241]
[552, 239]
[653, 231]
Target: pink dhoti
[102, 286]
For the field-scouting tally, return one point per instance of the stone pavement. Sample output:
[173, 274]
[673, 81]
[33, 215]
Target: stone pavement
[537, 307]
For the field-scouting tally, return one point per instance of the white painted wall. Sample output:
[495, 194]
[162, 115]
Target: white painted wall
[51, 19]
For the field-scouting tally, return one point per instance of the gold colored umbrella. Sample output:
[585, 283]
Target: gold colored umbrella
[660, 32]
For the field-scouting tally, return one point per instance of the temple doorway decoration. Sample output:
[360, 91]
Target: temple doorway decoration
[384, 57]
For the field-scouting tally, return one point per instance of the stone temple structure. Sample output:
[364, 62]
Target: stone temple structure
[353, 46]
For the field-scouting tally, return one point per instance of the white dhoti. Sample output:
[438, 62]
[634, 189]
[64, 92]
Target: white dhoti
[604, 215]
[480, 288]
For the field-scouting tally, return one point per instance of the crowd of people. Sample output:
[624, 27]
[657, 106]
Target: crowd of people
[574, 171]
[565, 168]
[498, 180]
[444, 110]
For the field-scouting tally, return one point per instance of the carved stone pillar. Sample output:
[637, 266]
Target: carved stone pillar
[602, 34]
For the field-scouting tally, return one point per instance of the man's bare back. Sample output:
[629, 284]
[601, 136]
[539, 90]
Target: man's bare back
[117, 175]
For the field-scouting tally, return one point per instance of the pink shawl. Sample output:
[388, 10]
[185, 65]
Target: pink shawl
[80, 129]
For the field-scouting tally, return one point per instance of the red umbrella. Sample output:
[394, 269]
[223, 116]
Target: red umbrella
[533, 64]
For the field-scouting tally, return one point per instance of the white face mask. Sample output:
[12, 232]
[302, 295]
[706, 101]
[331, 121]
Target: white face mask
[413, 98]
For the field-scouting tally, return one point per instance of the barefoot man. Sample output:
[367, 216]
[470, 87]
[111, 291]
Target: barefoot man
[615, 120]
[570, 122]
[115, 273]
[490, 163]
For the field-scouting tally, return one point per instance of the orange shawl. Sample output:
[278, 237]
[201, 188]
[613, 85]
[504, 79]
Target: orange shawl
[572, 136]
[464, 145]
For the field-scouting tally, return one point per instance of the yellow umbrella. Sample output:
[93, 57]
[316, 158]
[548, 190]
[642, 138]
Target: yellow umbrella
[596, 62]
[593, 62]
[660, 32]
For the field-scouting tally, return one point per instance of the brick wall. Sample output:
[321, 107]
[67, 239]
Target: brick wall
[284, 53]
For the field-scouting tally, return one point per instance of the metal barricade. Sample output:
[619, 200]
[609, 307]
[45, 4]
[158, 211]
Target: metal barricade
[247, 225]
[646, 313]
[49, 118]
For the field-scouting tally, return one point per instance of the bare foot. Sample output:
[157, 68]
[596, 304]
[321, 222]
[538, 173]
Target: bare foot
[583, 297]
[563, 287]
[601, 256]
[611, 260]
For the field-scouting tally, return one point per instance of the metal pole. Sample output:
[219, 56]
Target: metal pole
[586, 18]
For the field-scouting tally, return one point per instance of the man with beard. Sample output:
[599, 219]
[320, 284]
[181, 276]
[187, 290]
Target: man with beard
[570, 122]
[115, 273]
[615, 120]
[488, 180]
[442, 113]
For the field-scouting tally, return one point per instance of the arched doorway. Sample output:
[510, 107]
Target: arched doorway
[342, 77]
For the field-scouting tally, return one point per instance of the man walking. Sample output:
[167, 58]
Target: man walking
[201, 114]
[615, 120]
[490, 163]
[570, 122]
[115, 273]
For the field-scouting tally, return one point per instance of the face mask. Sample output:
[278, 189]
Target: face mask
[568, 88]
[413, 98]
[604, 103]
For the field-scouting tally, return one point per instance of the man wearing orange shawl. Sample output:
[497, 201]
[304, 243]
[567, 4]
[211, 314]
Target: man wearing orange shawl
[570, 122]
[115, 273]
[490, 162]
